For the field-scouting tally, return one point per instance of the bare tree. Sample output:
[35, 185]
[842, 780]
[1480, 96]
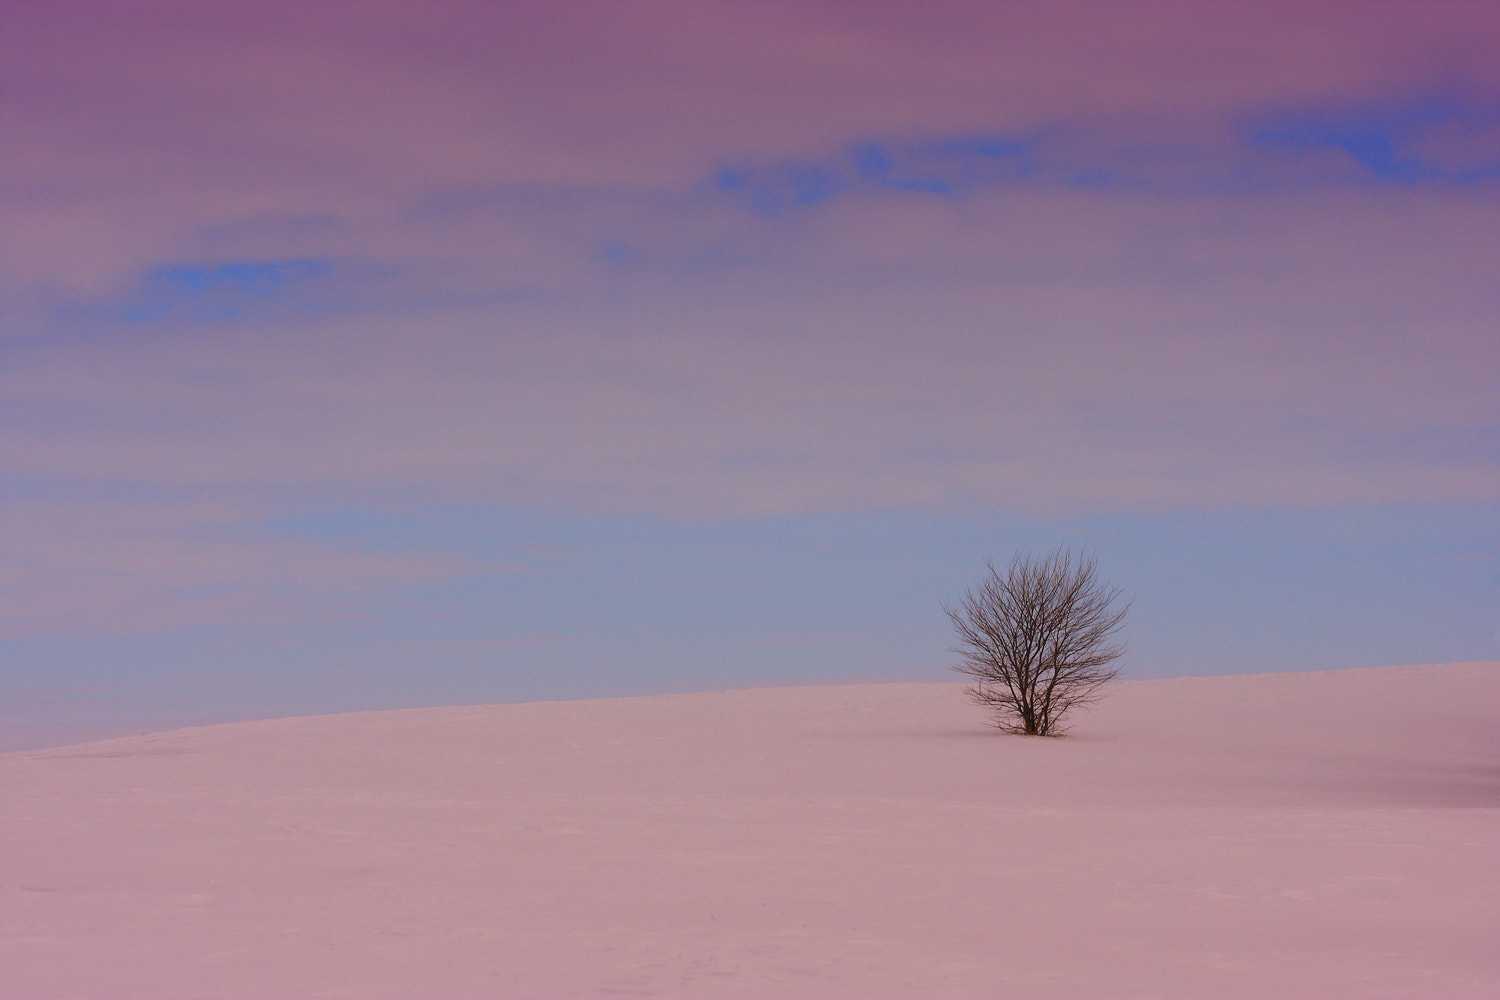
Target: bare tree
[1037, 640]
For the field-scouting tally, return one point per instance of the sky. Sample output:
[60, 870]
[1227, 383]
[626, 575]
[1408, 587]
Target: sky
[388, 354]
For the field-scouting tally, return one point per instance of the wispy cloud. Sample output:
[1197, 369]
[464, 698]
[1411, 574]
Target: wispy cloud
[85, 563]
[1435, 140]
[949, 166]
[222, 291]
[1438, 139]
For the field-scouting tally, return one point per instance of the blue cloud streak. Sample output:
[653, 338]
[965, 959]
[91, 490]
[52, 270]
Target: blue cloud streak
[224, 291]
[1386, 142]
[1382, 144]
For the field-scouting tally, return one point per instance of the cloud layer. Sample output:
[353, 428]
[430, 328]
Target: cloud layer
[721, 260]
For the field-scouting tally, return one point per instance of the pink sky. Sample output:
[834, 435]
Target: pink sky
[714, 262]
[484, 196]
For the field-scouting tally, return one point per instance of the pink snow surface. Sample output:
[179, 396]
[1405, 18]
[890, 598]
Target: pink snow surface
[1292, 835]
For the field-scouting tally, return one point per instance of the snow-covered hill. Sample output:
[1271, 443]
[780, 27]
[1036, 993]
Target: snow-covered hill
[1286, 835]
